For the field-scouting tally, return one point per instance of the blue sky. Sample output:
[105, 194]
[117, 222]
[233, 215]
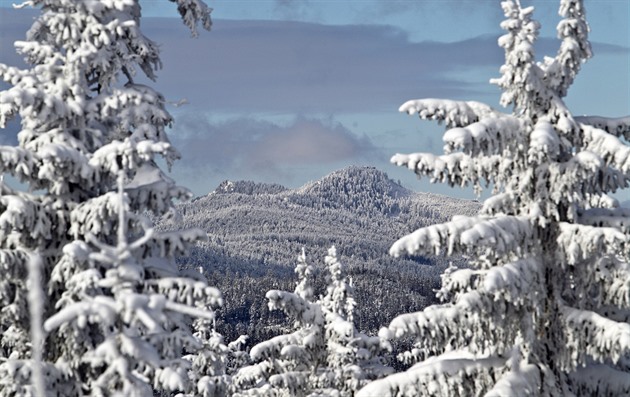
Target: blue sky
[286, 91]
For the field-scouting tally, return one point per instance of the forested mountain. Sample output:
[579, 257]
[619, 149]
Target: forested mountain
[256, 231]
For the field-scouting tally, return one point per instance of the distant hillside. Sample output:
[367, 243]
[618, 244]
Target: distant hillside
[256, 232]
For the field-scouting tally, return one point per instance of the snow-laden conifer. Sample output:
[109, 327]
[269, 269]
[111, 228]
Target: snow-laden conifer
[325, 355]
[214, 362]
[543, 308]
[117, 310]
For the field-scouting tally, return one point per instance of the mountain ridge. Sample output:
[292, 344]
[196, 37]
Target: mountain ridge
[255, 232]
[340, 188]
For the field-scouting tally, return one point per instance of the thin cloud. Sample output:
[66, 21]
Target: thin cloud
[306, 68]
[303, 68]
[296, 67]
[262, 148]
[296, 10]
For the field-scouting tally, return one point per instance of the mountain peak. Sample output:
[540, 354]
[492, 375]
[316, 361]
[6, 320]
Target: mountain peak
[358, 189]
[357, 181]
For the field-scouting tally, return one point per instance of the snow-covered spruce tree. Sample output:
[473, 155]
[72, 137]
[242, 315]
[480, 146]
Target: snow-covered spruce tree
[118, 309]
[139, 324]
[325, 356]
[543, 308]
[215, 362]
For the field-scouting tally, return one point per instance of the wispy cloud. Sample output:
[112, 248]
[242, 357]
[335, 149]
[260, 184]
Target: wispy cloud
[264, 148]
[306, 68]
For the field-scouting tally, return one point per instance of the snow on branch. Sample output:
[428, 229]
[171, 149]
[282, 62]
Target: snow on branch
[493, 135]
[619, 126]
[580, 242]
[152, 190]
[602, 285]
[172, 244]
[115, 352]
[495, 237]
[293, 381]
[514, 281]
[453, 113]
[23, 220]
[501, 203]
[186, 309]
[135, 107]
[295, 306]
[273, 347]
[23, 93]
[100, 309]
[592, 335]
[544, 142]
[610, 148]
[15, 378]
[194, 12]
[63, 165]
[440, 375]
[526, 380]
[18, 162]
[520, 376]
[127, 155]
[573, 181]
[13, 263]
[458, 169]
[94, 216]
[185, 291]
[452, 326]
[574, 50]
[251, 375]
[456, 281]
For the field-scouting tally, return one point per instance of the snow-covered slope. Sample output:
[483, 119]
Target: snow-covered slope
[256, 232]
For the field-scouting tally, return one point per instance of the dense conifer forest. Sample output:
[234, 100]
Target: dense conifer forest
[255, 232]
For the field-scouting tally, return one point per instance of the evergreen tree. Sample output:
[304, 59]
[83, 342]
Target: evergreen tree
[325, 355]
[544, 307]
[118, 310]
[215, 362]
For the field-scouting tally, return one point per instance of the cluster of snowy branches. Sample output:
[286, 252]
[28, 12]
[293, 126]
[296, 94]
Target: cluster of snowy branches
[543, 308]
